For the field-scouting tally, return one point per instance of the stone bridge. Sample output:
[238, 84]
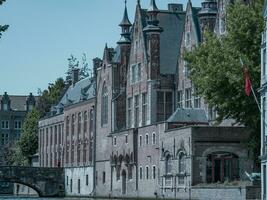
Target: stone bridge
[47, 182]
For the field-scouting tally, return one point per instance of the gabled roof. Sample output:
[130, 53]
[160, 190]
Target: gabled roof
[195, 11]
[188, 116]
[18, 102]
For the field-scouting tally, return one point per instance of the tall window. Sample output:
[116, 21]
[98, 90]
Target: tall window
[264, 64]
[147, 139]
[181, 162]
[5, 125]
[168, 164]
[85, 121]
[153, 138]
[180, 99]
[136, 111]
[141, 172]
[79, 122]
[188, 95]
[72, 124]
[197, 102]
[59, 134]
[133, 75]
[91, 120]
[186, 70]
[147, 172]
[55, 134]
[139, 72]
[104, 110]
[154, 172]
[67, 125]
[130, 104]
[164, 105]
[140, 140]
[144, 108]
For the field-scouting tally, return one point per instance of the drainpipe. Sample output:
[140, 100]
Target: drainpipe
[94, 141]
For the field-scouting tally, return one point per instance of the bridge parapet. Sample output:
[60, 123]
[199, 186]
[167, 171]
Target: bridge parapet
[48, 182]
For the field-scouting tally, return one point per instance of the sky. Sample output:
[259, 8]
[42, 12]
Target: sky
[44, 33]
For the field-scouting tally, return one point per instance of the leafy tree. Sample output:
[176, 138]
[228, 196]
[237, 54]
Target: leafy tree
[216, 71]
[73, 63]
[28, 142]
[3, 28]
[50, 96]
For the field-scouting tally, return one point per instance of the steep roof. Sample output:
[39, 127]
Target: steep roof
[18, 102]
[82, 90]
[170, 40]
[189, 115]
[195, 11]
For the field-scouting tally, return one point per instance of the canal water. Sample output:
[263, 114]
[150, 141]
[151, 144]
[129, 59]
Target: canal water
[37, 198]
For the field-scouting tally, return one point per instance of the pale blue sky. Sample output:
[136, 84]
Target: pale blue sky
[43, 34]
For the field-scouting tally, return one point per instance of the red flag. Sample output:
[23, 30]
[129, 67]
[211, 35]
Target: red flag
[247, 81]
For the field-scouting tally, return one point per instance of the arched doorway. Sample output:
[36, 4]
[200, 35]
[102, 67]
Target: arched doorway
[123, 181]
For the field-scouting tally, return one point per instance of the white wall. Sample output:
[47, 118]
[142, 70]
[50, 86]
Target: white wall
[75, 173]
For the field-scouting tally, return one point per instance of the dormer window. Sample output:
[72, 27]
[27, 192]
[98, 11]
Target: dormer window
[5, 107]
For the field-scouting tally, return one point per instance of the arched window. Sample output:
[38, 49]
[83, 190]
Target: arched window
[85, 121]
[182, 162]
[67, 125]
[104, 105]
[72, 124]
[140, 140]
[147, 139]
[153, 138]
[141, 172]
[79, 122]
[147, 172]
[168, 164]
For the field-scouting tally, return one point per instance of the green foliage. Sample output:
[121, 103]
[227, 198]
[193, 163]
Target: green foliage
[73, 63]
[3, 28]
[28, 142]
[50, 96]
[217, 73]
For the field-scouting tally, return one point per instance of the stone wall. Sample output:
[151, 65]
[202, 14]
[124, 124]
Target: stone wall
[73, 176]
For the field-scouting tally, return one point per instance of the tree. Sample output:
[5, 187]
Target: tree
[73, 63]
[28, 142]
[50, 96]
[216, 71]
[3, 28]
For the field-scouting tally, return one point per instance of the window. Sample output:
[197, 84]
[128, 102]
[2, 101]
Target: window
[153, 138]
[96, 177]
[5, 107]
[168, 164]
[179, 99]
[67, 125]
[86, 181]
[187, 39]
[85, 121]
[182, 162]
[186, 69]
[164, 105]
[72, 124]
[188, 95]
[141, 173]
[264, 63]
[222, 166]
[140, 140]
[136, 111]
[133, 68]
[79, 186]
[79, 122]
[104, 110]
[70, 185]
[67, 180]
[212, 113]
[147, 139]
[130, 172]
[114, 141]
[91, 127]
[55, 134]
[5, 124]
[59, 134]
[104, 177]
[144, 108]
[17, 125]
[147, 172]
[139, 72]
[126, 139]
[130, 103]
[197, 102]
[154, 172]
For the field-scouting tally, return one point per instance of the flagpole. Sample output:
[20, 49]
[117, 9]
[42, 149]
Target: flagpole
[253, 92]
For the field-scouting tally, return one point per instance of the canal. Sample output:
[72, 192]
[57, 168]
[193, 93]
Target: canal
[41, 198]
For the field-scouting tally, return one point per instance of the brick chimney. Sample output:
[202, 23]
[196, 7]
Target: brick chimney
[74, 76]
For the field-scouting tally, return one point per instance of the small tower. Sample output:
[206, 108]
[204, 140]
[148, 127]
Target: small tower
[5, 102]
[125, 28]
[207, 16]
[153, 31]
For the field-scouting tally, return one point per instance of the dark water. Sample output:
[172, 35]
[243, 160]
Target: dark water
[37, 198]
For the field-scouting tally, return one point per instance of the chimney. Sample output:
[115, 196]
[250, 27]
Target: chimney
[175, 7]
[96, 64]
[75, 76]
